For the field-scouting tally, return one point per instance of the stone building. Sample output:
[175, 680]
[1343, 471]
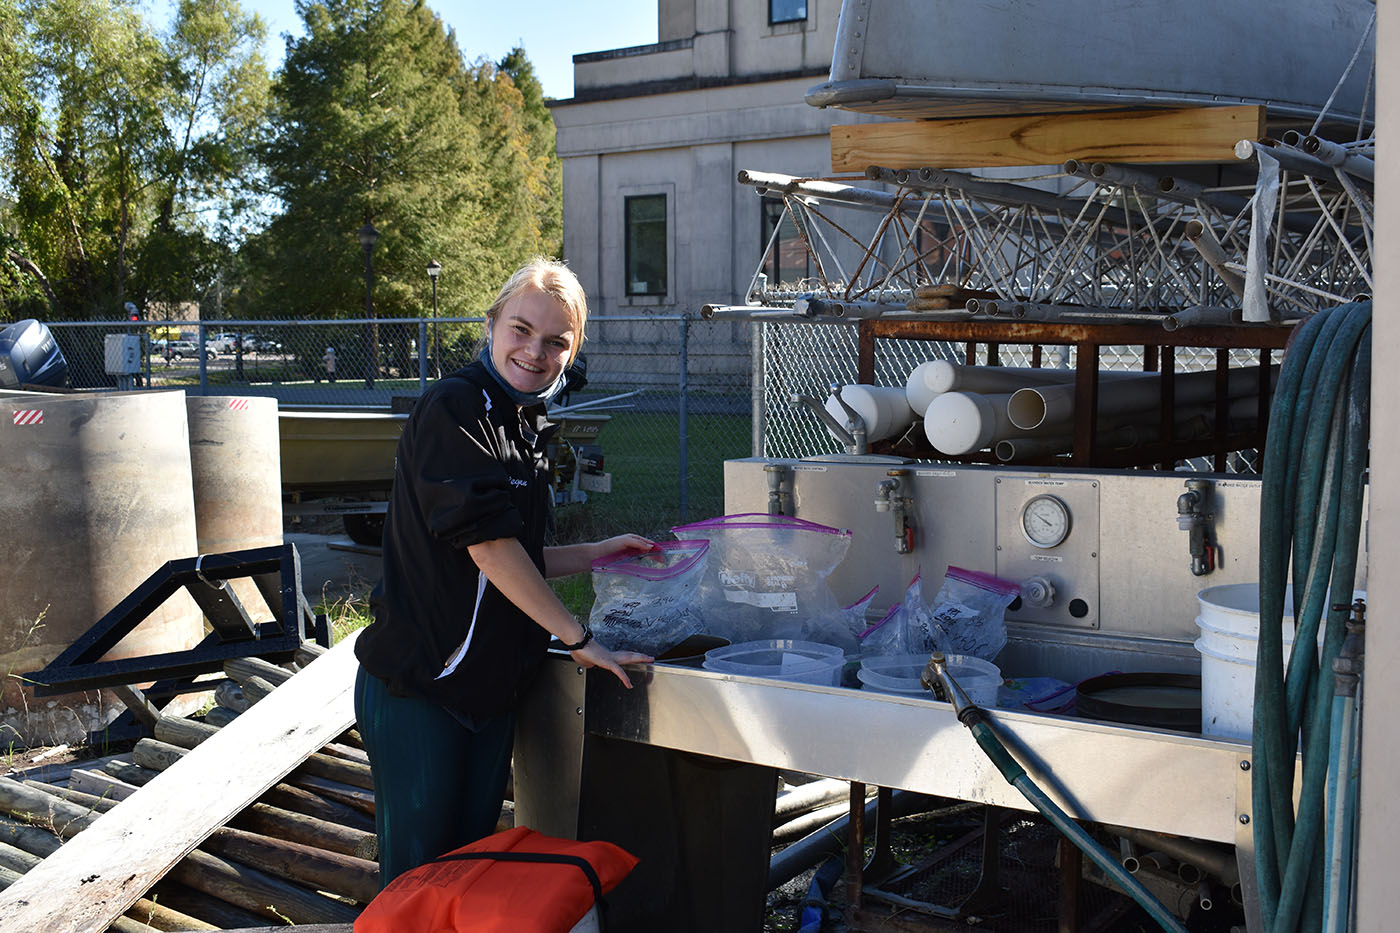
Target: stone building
[651, 144]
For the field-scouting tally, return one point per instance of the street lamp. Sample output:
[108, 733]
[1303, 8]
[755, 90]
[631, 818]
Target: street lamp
[435, 270]
[368, 237]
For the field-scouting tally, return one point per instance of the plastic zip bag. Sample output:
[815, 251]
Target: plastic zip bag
[766, 577]
[968, 615]
[646, 602]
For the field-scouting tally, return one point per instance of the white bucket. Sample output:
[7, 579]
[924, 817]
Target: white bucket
[1229, 647]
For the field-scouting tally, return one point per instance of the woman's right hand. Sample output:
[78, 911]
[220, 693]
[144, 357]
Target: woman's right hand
[596, 654]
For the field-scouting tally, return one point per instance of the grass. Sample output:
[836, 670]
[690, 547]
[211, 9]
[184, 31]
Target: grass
[640, 451]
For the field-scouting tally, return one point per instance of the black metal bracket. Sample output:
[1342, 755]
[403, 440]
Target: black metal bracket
[276, 571]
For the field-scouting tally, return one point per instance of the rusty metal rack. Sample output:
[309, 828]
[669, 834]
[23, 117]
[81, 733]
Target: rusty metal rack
[1158, 347]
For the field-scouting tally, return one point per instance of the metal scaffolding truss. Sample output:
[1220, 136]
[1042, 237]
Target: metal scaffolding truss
[1091, 240]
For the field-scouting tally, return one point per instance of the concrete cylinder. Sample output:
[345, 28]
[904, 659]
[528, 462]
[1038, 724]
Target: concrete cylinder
[97, 497]
[236, 469]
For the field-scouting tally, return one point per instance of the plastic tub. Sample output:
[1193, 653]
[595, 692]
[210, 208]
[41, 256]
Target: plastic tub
[807, 662]
[1229, 647]
[899, 674]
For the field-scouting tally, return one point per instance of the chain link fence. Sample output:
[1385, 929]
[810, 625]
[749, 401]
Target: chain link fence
[662, 409]
[668, 398]
[804, 358]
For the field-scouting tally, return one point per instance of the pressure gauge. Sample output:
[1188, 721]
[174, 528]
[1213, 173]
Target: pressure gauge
[1045, 521]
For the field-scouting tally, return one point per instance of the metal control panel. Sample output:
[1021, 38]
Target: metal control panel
[1047, 540]
[1105, 569]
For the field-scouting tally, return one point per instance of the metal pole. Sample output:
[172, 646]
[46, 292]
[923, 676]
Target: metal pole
[757, 349]
[437, 346]
[422, 357]
[684, 416]
[203, 362]
[371, 363]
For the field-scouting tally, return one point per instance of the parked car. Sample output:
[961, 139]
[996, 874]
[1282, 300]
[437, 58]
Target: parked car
[185, 349]
[221, 343]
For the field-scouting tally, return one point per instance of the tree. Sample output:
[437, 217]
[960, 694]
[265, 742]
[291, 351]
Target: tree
[546, 185]
[377, 119]
[116, 142]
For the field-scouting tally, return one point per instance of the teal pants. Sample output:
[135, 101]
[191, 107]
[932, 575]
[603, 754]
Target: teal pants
[438, 785]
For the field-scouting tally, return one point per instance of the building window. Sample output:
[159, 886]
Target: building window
[646, 244]
[788, 262]
[786, 11]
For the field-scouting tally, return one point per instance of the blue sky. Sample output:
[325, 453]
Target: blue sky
[551, 31]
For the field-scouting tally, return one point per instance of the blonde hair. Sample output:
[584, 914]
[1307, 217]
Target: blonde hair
[554, 279]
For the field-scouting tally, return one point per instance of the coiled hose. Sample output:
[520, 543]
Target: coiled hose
[1311, 511]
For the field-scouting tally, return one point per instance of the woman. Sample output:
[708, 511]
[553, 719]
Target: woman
[463, 614]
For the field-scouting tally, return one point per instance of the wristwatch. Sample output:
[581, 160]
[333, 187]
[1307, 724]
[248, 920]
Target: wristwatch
[582, 642]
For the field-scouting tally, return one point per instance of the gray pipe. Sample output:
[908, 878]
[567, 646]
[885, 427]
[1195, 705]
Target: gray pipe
[821, 190]
[831, 838]
[1203, 238]
[1213, 860]
[1341, 157]
[1203, 315]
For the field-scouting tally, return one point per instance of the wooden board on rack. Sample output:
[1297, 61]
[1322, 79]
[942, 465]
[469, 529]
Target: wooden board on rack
[1194, 134]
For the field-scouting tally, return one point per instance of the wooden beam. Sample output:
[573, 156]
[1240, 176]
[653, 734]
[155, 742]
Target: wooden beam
[1196, 134]
[93, 879]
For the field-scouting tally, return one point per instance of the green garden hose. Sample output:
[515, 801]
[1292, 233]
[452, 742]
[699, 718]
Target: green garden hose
[972, 716]
[1311, 511]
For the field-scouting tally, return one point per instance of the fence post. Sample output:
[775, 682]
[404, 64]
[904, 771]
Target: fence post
[423, 352]
[758, 353]
[684, 412]
[203, 361]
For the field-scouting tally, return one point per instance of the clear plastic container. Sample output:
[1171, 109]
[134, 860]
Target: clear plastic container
[806, 662]
[899, 674]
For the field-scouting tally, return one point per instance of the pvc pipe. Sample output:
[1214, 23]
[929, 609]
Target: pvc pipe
[885, 410]
[1204, 239]
[805, 797]
[1214, 860]
[938, 376]
[1037, 406]
[806, 852]
[1119, 438]
[961, 422]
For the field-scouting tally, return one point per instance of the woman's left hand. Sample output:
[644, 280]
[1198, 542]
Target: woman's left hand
[620, 543]
[595, 654]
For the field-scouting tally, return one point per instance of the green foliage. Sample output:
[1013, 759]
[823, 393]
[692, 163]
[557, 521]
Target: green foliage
[165, 167]
[115, 142]
[377, 119]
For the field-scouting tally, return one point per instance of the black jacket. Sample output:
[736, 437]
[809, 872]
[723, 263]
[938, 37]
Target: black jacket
[470, 467]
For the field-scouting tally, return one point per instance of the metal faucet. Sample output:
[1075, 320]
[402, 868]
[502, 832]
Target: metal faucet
[851, 434]
[1192, 517]
[778, 498]
[888, 498]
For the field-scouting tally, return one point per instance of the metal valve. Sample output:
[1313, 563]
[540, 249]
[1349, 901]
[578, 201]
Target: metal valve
[1037, 593]
[889, 497]
[1193, 517]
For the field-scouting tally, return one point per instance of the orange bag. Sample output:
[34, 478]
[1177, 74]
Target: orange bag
[510, 882]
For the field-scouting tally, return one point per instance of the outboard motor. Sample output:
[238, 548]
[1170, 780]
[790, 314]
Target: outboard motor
[29, 355]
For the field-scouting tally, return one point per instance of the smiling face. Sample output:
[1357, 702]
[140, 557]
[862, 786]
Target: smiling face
[532, 340]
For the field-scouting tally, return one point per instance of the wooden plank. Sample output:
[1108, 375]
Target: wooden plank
[1195, 134]
[92, 880]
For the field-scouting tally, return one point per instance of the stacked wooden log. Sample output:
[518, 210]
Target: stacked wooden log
[304, 852]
